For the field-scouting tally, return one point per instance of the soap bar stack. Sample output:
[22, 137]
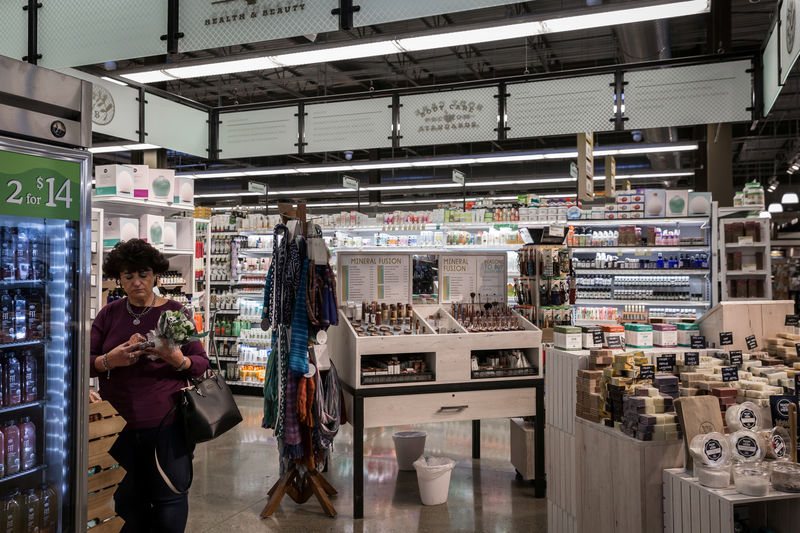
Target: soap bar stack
[599, 359]
[726, 397]
[667, 385]
[588, 399]
[782, 347]
[648, 415]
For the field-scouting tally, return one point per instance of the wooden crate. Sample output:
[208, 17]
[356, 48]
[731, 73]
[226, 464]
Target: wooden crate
[692, 508]
[759, 318]
[619, 486]
[104, 426]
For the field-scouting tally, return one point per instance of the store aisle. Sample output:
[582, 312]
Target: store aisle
[233, 473]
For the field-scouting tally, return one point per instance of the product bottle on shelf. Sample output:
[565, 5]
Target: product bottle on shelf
[6, 317]
[35, 315]
[10, 513]
[30, 510]
[11, 443]
[30, 389]
[12, 380]
[8, 264]
[23, 253]
[20, 316]
[48, 505]
[27, 432]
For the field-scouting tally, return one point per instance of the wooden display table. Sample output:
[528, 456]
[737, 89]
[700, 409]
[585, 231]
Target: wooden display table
[619, 479]
[692, 508]
[759, 318]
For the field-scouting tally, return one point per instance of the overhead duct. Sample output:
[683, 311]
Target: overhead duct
[646, 41]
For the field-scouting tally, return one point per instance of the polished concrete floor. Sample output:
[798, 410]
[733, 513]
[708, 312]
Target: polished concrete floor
[233, 474]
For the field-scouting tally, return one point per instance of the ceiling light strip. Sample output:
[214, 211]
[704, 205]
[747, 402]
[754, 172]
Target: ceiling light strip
[572, 21]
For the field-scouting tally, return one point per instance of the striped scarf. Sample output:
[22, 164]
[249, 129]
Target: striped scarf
[298, 347]
[283, 278]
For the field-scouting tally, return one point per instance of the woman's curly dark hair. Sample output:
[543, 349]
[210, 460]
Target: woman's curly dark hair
[132, 256]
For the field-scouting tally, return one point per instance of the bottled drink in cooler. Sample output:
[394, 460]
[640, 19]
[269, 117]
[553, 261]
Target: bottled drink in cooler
[2, 459]
[35, 315]
[8, 265]
[6, 317]
[10, 514]
[23, 253]
[11, 438]
[20, 315]
[48, 504]
[27, 438]
[12, 380]
[30, 510]
[30, 387]
[37, 254]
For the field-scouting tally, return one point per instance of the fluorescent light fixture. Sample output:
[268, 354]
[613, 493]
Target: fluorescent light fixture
[518, 182]
[450, 185]
[339, 53]
[570, 21]
[775, 208]
[122, 148]
[112, 80]
[795, 167]
[509, 157]
[790, 198]
[227, 194]
[335, 204]
[272, 172]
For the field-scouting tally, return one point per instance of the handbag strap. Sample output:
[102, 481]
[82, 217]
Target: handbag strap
[161, 472]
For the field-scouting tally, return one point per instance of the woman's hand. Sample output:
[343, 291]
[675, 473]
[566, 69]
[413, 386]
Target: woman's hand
[127, 353]
[173, 357]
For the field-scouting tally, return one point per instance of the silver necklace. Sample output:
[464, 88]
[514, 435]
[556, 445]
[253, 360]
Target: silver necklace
[137, 316]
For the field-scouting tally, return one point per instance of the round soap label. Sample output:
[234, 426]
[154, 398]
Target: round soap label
[783, 407]
[779, 446]
[747, 447]
[748, 418]
[713, 450]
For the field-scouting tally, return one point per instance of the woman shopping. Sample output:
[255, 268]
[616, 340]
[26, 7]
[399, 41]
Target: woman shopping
[143, 385]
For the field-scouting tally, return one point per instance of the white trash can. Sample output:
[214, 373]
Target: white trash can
[408, 447]
[433, 477]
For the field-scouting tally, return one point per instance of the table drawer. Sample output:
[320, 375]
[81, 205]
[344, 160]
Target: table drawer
[448, 406]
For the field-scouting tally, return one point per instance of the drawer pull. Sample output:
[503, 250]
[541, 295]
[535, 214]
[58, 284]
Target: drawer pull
[445, 408]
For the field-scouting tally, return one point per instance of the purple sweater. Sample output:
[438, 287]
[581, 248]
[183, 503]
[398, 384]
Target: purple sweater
[144, 392]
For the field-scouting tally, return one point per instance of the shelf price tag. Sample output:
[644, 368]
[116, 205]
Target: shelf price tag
[691, 358]
[666, 362]
[730, 373]
[597, 338]
[735, 357]
[797, 349]
[752, 344]
[797, 384]
[726, 338]
[791, 320]
[40, 187]
[698, 342]
[614, 342]
[647, 372]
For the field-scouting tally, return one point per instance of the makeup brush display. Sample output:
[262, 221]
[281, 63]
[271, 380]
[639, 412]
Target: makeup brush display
[373, 319]
[485, 317]
[501, 363]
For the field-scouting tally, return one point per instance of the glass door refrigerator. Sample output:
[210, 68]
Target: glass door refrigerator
[44, 296]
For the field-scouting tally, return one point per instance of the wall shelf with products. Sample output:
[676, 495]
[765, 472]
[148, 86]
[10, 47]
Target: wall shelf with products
[744, 260]
[20, 407]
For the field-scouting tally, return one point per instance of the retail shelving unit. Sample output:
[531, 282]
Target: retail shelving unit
[744, 258]
[96, 302]
[636, 279]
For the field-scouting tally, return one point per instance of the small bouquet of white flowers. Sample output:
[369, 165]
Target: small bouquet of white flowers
[174, 329]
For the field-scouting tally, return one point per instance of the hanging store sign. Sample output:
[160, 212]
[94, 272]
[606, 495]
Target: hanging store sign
[115, 108]
[459, 177]
[789, 36]
[350, 183]
[74, 33]
[258, 133]
[770, 88]
[382, 11]
[254, 186]
[368, 124]
[685, 96]
[176, 126]
[586, 167]
[371, 277]
[216, 23]
[448, 117]
[34, 186]
[560, 107]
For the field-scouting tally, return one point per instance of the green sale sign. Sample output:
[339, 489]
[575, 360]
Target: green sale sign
[39, 187]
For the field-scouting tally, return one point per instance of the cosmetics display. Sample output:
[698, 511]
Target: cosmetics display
[401, 368]
[381, 319]
[488, 317]
[501, 363]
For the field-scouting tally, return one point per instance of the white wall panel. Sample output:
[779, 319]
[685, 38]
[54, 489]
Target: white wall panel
[348, 125]
[258, 133]
[176, 126]
[448, 117]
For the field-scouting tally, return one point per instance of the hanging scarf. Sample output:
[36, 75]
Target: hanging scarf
[306, 394]
[292, 436]
[298, 347]
[283, 277]
[273, 381]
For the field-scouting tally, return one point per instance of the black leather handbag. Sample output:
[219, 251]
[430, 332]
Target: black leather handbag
[208, 410]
